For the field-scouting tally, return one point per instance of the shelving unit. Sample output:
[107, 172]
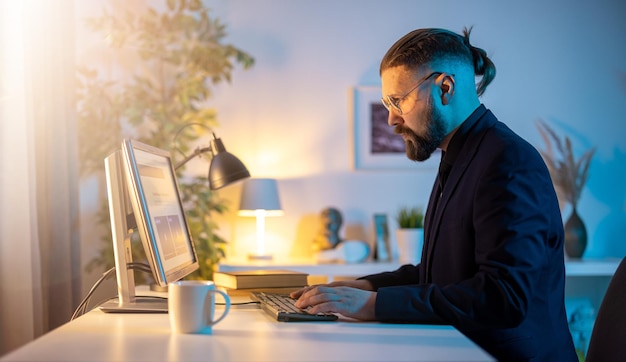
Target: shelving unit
[586, 279]
[591, 267]
[329, 271]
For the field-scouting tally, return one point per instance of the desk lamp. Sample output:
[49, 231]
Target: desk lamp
[259, 198]
[224, 167]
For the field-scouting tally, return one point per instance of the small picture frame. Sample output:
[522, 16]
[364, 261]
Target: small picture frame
[375, 145]
[382, 246]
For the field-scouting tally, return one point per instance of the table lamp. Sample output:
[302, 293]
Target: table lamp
[259, 198]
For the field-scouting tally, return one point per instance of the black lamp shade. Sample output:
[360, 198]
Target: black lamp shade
[225, 167]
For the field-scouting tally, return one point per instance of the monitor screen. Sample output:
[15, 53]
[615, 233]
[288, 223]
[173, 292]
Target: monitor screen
[159, 212]
[143, 191]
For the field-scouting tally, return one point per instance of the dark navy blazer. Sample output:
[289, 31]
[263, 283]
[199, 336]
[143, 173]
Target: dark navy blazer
[492, 264]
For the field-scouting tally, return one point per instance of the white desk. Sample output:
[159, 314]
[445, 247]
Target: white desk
[246, 334]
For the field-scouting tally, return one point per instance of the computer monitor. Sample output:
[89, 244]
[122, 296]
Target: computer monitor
[143, 191]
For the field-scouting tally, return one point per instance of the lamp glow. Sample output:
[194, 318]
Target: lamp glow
[259, 198]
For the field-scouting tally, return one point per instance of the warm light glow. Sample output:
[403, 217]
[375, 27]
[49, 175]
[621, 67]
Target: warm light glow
[260, 232]
[266, 213]
[270, 160]
[260, 216]
[12, 50]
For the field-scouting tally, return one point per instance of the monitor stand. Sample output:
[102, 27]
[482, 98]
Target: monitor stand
[121, 226]
[139, 305]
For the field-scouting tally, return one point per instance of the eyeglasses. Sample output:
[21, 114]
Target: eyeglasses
[394, 102]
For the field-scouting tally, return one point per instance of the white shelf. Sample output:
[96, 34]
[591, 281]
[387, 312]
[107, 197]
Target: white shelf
[312, 268]
[573, 268]
[591, 267]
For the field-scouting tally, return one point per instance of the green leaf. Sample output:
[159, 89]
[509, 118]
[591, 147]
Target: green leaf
[410, 218]
[181, 57]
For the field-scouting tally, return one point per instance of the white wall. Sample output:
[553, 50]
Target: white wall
[289, 116]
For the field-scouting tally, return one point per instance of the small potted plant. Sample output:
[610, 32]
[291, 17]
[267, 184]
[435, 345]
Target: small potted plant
[410, 218]
[409, 235]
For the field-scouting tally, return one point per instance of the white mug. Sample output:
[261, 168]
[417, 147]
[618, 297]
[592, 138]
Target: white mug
[191, 306]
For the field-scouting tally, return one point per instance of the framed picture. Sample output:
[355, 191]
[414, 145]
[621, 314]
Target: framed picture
[375, 144]
[382, 246]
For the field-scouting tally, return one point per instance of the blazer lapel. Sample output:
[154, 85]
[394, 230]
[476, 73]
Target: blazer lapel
[436, 207]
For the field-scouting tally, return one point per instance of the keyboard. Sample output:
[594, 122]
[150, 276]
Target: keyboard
[281, 307]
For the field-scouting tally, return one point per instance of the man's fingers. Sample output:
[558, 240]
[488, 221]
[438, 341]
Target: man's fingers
[317, 295]
[298, 293]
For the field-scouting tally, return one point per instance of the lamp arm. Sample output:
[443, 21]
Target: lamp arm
[197, 152]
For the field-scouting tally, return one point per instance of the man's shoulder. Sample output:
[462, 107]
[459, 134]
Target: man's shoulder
[498, 134]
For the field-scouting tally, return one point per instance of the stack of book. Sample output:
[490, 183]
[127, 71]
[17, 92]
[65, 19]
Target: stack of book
[241, 283]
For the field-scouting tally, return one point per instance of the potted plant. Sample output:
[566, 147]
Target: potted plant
[410, 218]
[569, 176]
[167, 61]
[409, 235]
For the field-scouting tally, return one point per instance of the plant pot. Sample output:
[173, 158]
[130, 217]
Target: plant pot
[410, 242]
[575, 236]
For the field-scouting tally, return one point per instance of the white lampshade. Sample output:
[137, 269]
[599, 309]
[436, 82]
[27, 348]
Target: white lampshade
[259, 198]
[260, 194]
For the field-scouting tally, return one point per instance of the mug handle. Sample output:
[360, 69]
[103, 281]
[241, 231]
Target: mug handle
[227, 305]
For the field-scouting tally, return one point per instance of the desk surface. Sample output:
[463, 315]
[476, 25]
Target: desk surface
[246, 334]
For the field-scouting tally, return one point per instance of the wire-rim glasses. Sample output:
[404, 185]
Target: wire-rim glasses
[394, 102]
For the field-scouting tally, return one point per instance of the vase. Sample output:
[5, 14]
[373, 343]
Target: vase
[410, 243]
[575, 236]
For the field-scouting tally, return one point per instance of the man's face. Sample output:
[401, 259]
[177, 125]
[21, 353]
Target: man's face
[420, 124]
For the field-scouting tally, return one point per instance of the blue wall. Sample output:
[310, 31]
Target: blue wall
[290, 116]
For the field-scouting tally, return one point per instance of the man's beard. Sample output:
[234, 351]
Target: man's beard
[419, 148]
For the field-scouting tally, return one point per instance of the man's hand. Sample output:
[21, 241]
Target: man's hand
[358, 284]
[353, 299]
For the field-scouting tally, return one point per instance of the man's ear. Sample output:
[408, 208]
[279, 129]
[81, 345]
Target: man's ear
[447, 89]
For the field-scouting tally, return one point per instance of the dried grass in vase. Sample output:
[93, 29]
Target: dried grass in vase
[569, 174]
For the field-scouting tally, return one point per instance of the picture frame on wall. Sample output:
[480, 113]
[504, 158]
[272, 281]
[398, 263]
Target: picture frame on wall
[375, 145]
